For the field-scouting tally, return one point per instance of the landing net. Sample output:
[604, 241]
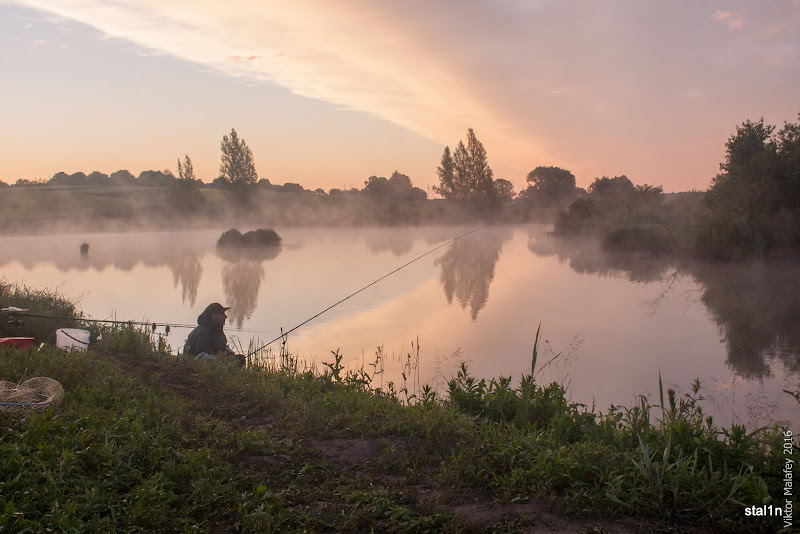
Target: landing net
[37, 393]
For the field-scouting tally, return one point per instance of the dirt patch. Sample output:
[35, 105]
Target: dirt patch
[178, 377]
[263, 460]
[539, 516]
[359, 450]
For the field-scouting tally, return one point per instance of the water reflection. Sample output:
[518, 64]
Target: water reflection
[248, 253]
[241, 282]
[398, 243]
[186, 270]
[468, 268]
[586, 257]
[242, 275]
[756, 306]
[118, 251]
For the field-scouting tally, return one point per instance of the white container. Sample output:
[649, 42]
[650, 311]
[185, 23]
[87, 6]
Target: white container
[72, 339]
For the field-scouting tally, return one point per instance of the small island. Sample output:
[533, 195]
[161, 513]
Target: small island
[259, 245]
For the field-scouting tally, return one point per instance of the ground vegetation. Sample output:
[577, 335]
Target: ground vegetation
[144, 440]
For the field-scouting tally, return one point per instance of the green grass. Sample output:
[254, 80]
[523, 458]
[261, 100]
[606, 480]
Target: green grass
[143, 441]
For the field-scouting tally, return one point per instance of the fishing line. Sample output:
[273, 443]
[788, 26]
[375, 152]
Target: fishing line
[283, 334]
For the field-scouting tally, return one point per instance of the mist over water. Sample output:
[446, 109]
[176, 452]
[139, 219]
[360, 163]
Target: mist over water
[610, 322]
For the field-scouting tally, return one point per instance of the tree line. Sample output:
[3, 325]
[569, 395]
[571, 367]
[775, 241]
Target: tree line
[751, 209]
[466, 177]
[237, 176]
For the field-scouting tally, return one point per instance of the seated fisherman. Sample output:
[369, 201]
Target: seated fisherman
[208, 339]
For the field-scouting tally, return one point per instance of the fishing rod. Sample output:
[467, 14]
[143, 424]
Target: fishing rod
[284, 334]
[24, 313]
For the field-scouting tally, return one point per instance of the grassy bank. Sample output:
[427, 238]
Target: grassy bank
[145, 441]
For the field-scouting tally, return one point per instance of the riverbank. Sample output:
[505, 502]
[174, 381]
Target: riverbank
[143, 440]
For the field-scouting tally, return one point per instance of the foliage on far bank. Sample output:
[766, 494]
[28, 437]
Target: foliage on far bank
[628, 217]
[751, 210]
[237, 168]
[465, 176]
[550, 187]
[753, 205]
[184, 192]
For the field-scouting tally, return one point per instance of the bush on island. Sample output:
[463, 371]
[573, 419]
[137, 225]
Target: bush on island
[259, 245]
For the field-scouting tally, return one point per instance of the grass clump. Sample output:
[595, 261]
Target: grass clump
[532, 442]
[38, 302]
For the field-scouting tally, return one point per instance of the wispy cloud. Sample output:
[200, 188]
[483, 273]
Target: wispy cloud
[541, 83]
[355, 54]
[40, 42]
[735, 22]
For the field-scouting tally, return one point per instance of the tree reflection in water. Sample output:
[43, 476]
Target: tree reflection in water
[756, 306]
[468, 268]
[242, 275]
[186, 270]
[398, 242]
[585, 256]
[241, 282]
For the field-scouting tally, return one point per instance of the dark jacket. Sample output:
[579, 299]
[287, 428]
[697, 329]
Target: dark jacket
[207, 337]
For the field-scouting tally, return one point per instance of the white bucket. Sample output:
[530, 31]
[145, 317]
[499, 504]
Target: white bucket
[72, 339]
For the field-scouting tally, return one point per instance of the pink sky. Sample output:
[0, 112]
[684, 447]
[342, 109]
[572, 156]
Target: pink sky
[328, 93]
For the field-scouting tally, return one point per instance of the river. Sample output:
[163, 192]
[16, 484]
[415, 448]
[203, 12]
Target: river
[610, 324]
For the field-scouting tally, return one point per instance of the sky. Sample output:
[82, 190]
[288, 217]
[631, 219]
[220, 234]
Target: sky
[327, 94]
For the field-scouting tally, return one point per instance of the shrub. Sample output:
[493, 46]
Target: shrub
[576, 217]
[257, 245]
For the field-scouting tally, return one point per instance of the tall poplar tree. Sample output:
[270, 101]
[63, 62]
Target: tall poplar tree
[466, 175]
[185, 190]
[447, 182]
[237, 168]
[481, 177]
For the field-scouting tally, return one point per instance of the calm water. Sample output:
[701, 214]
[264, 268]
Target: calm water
[611, 324]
